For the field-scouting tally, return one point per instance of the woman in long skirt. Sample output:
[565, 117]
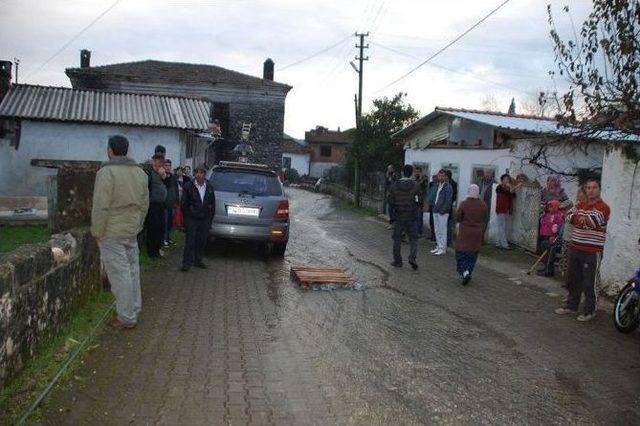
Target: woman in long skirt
[472, 216]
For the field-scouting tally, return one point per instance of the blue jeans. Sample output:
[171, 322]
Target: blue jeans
[392, 213]
[420, 219]
[466, 261]
[411, 229]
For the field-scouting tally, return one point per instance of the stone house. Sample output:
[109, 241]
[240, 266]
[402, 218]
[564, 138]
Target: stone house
[328, 149]
[236, 98]
[295, 155]
[59, 123]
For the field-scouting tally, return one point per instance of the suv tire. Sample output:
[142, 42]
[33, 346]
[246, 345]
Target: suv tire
[279, 249]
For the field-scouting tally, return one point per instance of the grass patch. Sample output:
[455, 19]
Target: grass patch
[19, 393]
[14, 236]
[363, 211]
[147, 263]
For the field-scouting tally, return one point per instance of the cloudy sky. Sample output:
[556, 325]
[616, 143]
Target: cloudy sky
[507, 56]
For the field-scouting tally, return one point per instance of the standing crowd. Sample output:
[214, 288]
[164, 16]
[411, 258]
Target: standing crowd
[577, 230]
[137, 204]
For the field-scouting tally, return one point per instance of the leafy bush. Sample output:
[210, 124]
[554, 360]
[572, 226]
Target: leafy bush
[292, 175]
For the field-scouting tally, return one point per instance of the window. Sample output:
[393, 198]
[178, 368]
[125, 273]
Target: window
[325, 151]
[286, 162]
[477, 172]
[423, 166]
[246, 182]
[220, 112]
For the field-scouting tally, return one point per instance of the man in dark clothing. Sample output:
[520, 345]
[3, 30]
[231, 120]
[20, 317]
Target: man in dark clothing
[198, 206]
[402, 198]
[433, 191]
[154, 223]
[171, 182]
[389, 180]
[422, 182]
[485, 183]
[451, 221]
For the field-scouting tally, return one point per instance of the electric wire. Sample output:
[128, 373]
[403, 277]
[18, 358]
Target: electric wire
[72, 39]
[313, 55]
[451, 43]
[468, 74]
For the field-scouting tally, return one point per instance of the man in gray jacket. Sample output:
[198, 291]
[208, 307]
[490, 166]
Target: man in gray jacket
[120, 202]
[441, 210]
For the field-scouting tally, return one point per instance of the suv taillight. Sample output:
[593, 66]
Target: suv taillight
[283, 210]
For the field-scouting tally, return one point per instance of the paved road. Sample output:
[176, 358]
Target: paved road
[241, 344]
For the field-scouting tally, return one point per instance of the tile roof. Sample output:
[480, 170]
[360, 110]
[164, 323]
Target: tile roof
[328, 136]
[92, 106]
[292, 146]
[175, 72]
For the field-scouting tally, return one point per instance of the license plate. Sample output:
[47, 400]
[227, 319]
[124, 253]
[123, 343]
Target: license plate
[243, 211]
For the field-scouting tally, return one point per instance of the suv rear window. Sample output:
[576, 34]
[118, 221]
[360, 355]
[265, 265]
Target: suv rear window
[246, 182]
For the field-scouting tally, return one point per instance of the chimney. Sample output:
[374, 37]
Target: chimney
[85, 58]
[267, 70]
[5, 78]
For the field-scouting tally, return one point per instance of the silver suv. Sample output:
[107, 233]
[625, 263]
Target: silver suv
[250, 205]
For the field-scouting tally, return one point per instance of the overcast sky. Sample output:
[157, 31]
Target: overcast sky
[507, 56]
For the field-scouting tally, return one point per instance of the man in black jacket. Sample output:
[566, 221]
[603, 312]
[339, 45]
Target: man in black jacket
[198, 207]
[171, 202]
[403, 199]
[155, 221]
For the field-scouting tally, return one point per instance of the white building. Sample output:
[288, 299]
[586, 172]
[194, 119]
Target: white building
[468, 142]
[295, 155]
[621, 190]
[57, 123]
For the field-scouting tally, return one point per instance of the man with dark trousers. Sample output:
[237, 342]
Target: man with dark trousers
[403, 199]
[198, 207]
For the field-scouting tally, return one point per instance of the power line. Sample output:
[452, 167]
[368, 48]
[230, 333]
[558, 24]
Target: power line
[313, 55]
[455, 40]
[74, 38]
[391, 49]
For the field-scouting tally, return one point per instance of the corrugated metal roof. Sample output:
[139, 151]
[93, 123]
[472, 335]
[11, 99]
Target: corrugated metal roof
[519, 123]
[65, 104]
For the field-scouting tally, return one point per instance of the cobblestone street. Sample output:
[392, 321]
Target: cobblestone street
[240, 343]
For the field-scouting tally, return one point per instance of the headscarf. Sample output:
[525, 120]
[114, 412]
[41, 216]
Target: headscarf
[473, 191]
[553, 205]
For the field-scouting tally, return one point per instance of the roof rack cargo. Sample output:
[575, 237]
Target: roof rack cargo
[239, 164]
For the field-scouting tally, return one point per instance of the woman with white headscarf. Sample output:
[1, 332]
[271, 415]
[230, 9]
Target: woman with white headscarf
[472, 217]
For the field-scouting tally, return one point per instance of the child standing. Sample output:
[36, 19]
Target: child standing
[550, 226]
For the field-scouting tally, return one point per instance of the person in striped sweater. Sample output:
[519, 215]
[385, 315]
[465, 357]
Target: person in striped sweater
[589, 219]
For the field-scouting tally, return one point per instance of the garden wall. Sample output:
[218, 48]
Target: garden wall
[39, 294]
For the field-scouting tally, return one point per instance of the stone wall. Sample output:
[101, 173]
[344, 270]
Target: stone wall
[346, 194]
[266, 132]
[39, 294]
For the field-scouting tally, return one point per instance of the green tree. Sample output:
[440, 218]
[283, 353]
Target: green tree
[372, 138]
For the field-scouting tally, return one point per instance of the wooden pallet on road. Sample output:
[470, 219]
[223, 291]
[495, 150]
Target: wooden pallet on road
[306, 275]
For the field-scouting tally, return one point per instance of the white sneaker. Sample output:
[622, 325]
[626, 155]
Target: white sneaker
[464, 274]
[434, 250]
[440, 252]
[586, 317]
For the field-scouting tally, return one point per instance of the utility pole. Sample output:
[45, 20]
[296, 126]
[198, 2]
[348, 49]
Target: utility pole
[360, 58]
